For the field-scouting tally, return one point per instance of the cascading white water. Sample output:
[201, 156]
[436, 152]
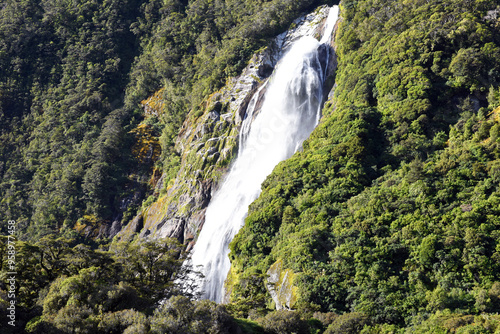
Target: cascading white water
[332, 19]
[289, 113]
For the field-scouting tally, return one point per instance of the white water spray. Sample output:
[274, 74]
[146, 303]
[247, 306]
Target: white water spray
[332, 19]
[290, 111]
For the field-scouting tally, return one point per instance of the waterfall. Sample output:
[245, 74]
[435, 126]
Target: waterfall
[289, 113]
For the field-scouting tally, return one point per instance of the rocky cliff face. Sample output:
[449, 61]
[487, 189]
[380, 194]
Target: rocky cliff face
[208, 141]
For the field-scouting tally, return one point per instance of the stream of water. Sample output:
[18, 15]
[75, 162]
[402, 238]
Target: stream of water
[289, 113]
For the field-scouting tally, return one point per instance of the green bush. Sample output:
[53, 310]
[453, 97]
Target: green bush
[284, 322]
[180, 315]
[349, 323]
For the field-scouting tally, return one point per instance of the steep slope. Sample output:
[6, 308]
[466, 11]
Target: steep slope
[76, 148]
[391, 209]
[208, 141]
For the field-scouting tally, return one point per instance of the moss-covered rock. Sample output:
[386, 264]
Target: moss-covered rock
[280, 284]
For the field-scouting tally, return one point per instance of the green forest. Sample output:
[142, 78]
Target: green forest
[388, 220]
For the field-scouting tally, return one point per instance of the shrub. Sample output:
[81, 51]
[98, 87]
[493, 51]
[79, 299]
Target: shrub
[349, 323]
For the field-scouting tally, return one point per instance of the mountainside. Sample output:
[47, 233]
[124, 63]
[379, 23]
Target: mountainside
[119, 119]
[392, 208]
[208, 141]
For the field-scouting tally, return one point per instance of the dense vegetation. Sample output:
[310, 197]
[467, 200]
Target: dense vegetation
[63, 286]
[391, 211]
[72, 76]
[388, 219]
